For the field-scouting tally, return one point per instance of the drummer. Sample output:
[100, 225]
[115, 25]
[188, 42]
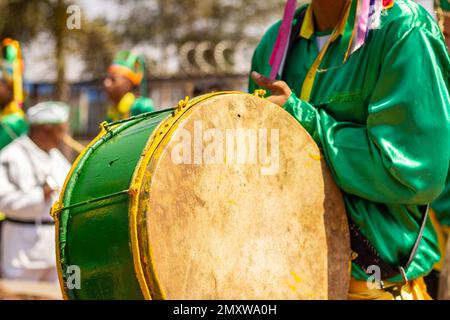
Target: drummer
[32, 171]
[126, 87]
[384, 136]
[12, 122]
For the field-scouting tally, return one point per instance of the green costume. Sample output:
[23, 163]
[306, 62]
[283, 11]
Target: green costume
[382, 119]
[132, 67]
[444, 5]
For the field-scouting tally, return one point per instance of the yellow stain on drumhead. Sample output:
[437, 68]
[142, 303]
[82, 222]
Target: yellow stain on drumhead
[316, 157]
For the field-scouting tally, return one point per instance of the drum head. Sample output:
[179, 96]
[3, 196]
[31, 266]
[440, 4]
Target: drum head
[237, 203]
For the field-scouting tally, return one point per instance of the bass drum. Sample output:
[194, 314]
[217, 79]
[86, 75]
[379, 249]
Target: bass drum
[223, 197]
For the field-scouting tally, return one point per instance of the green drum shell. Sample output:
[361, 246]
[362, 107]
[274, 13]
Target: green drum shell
[92, 216]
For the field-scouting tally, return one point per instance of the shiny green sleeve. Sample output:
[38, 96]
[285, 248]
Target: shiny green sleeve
[402, 154]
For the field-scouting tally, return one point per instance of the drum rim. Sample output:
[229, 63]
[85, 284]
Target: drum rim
[159, 138]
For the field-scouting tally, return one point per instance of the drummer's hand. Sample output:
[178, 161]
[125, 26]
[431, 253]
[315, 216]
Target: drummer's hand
[280, 90]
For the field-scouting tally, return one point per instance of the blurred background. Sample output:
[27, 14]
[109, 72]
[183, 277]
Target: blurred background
[189, 46]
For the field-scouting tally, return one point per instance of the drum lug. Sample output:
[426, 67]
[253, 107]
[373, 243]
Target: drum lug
[182, 104]
[260, 93]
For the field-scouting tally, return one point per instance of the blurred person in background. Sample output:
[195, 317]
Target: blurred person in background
[126, 87]
[438, 281]
[32, 172]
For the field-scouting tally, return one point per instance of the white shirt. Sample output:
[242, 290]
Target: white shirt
[24, 168]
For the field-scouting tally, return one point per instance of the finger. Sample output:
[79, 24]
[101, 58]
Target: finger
[262, 81]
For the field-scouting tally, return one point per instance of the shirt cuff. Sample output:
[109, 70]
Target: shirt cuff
[303, 112]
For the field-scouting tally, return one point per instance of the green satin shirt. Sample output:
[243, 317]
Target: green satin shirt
[382, 120]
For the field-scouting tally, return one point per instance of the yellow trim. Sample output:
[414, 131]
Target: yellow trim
[311, 76]
[158, 140]
[307, 29]
[389, 6]
[126, 103]
[59, 206]
[17, 76]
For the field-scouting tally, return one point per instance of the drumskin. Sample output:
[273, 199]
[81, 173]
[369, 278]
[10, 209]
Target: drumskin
[382, 120]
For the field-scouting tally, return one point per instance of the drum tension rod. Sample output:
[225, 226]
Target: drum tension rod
[91, 201]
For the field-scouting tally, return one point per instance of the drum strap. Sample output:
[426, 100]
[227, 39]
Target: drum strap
[368, 256]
